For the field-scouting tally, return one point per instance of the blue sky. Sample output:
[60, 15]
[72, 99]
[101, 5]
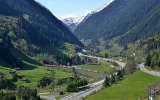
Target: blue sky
[72, 7]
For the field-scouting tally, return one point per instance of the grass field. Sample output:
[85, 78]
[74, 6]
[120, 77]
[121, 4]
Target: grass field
[101, 68]
[129, 89]
[38, 73]
[114, 51]
[34, 75]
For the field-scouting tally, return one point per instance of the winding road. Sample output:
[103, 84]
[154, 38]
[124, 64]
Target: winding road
[144, 69]
[51, 97]
[121, 64]
[98, 85]
[94, 87]
[79, 95]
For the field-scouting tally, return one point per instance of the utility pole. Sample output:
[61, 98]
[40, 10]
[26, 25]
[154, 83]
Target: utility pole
[53, 79]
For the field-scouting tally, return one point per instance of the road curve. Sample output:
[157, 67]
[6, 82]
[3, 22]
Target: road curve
[144, 69]
[79, 95]
[121, 64]
[94, 87]
[48, 97]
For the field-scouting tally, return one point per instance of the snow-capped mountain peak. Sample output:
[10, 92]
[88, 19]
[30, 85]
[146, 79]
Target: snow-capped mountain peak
[104, 6]
[73, 21]
[71, 18]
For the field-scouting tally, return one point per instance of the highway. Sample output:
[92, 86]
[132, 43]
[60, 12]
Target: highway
[121, 64]
[98, 85]
[144, 69]
[79, 95]
[93, 87]
[51, 97]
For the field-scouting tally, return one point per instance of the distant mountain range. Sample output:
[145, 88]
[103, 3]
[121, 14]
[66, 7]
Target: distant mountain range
[28, 29]
[122, 22]
[72, 22]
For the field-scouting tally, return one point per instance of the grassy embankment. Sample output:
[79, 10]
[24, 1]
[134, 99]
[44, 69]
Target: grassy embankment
[130, 88]
[102, 70]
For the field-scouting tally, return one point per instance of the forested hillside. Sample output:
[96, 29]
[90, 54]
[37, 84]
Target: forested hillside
[153, 60]
[122, 22]
[28, 28]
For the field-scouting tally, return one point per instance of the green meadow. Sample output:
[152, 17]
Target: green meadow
[131, 88]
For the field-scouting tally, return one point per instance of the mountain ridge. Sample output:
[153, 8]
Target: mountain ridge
[120, 17]
[30, 28]
[72, 21]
